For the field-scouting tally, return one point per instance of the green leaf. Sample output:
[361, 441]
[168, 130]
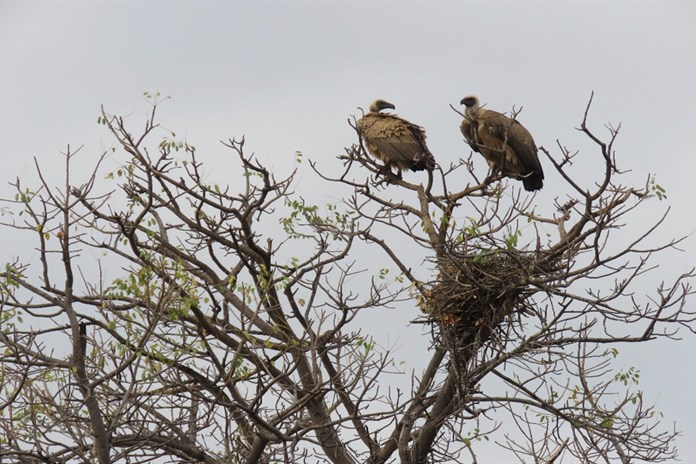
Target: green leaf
[607, 423]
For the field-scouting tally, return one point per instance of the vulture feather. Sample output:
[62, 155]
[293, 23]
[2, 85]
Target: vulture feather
[505, 144]
[394, 140]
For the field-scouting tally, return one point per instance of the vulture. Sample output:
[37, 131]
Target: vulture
[507, 146]
[394, 140]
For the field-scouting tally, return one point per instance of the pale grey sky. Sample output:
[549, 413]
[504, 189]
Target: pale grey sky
[287, 75]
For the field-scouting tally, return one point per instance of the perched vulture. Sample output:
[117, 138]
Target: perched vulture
[507, 146]
[394, 140]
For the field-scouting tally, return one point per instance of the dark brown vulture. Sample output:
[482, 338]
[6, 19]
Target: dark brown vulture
[394, 140]
[507, 146]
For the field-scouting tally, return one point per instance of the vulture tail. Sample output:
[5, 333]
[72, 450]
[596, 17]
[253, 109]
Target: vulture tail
[425, 161]
[533, 182]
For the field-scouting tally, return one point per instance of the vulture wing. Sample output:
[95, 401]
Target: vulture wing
[469, 132]
[396, 141]
[521, 160]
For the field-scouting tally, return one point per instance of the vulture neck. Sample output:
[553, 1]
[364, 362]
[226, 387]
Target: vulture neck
[472, 112]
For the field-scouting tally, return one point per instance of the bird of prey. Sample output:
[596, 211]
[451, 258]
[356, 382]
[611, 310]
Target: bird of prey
[505, 144]
[395, 141]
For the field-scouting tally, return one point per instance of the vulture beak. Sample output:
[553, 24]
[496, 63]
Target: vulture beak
[388, 105]
[469, 100]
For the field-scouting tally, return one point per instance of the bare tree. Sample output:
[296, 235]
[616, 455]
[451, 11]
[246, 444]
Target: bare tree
[229, 333]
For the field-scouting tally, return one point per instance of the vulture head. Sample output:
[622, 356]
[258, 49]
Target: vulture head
[472, 106]
[379, 105]
[470, 101]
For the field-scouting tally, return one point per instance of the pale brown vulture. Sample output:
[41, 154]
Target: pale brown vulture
[493, 135]
[394, 140]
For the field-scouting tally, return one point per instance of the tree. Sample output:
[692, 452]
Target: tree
[220, 322]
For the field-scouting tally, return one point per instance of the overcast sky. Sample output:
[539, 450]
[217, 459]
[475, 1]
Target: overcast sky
[287, 75]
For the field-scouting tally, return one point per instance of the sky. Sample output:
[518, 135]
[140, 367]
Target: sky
[287, 75]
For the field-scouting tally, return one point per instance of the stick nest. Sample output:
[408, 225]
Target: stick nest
[474, 295]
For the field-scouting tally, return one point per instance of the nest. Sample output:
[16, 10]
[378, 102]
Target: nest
[474, 296]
